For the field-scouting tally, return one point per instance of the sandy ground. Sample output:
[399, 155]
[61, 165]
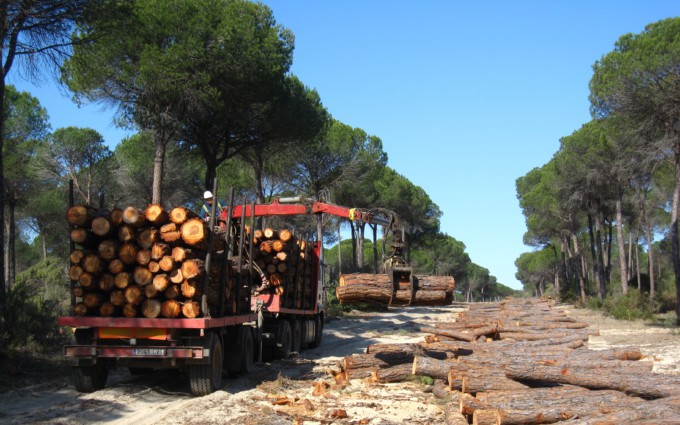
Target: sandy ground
[299, 390]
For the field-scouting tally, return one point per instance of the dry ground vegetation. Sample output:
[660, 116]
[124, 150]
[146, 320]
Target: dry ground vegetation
[300, 390]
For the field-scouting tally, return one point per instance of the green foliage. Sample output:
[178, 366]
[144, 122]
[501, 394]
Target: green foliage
[632, 306]
[416, 211]
[666, 299]
[426, 380]
[134, 163]
[38, 297]
[78, 154]
[594, 303]
[536, 269]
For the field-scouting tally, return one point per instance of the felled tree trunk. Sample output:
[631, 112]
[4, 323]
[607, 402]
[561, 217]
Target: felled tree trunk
[377, 288]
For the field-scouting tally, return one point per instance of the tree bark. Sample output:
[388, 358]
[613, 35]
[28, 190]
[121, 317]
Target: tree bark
[675, 241]
[3, 281]
[646, 385]
[428, 282]
[622, 244]
[160, 142]
[650, 252]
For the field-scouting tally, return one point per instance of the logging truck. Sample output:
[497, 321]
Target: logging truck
[154, 289]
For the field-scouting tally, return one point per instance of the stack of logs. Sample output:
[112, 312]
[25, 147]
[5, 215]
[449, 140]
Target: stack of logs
[149, 263]
[286, 264]
[378, 289]
[523, 362]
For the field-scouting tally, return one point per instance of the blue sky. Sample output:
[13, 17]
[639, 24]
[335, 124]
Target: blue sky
[466, 96]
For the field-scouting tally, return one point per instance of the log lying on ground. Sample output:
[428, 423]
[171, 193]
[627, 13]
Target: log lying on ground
[590, 407]
[646, 385]
[664, 411]
[549, 379]
[464, 335]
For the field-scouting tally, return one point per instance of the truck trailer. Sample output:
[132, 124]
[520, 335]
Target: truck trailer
[255, 295]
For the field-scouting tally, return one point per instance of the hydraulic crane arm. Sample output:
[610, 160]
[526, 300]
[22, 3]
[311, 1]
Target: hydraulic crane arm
[399, 272]
[302, 206]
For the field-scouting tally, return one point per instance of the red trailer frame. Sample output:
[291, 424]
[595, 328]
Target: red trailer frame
[205, 345]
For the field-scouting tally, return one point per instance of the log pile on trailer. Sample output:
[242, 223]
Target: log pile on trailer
[379, 289]
[285, 265]
[152, 263]
[524, 362]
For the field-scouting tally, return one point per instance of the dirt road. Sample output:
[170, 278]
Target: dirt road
[299, 390]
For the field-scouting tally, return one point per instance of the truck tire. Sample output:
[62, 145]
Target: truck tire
[283, 345]
[205, 379]
[247, 350]
[296, 333]
[318, 331]
[239, 354]
[90, 378]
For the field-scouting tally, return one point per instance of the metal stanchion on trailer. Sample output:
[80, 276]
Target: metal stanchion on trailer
[208, 255]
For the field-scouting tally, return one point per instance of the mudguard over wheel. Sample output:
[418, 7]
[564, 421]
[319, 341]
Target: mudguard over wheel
[90, 378]
[205, 379]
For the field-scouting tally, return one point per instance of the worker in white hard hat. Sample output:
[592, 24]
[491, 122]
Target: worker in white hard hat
[207, 205]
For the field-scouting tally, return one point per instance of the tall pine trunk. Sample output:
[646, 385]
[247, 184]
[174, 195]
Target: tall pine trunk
[354, 246]
[583, 269]
[623, 266]
[158, 166]
[322, 268]
[258, 168]
[43, 238]
[557, 272]
[3, 287]
[564, 267]
[11, 261]
[602, 249]
[674, 232]
[375, 248]
[593, 254]
[339, 249]
[650, 251]
[210, 174]
[360, 245]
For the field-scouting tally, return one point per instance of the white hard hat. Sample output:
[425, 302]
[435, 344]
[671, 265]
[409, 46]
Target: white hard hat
[207, 194]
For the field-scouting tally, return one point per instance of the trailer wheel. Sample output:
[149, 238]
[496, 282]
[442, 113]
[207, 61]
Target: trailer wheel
[205, 379]
[247, 350]
[90, 378]
[318, 331]
[303, 334]
[283, 351]
[296, 333]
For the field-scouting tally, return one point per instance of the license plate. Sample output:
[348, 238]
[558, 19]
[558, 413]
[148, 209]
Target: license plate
[148, 351]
